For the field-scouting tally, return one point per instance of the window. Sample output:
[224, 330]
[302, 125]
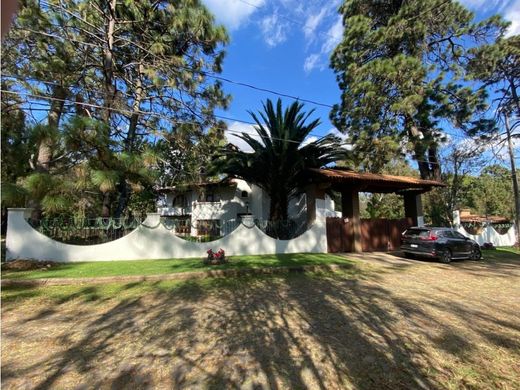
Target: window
[179, 201]
[414, 232]
[208, 227]
[458, 235]
[447, 233]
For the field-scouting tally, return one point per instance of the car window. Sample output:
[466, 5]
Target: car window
[458, 235]
[417, 233]
[448, 234]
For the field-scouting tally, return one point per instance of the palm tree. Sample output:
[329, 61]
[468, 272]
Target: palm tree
[280, 157]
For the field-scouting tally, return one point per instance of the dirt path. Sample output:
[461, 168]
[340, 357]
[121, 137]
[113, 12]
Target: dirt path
[395, 325]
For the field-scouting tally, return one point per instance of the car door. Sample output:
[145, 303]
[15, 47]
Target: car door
[451, 242]
[464, 243]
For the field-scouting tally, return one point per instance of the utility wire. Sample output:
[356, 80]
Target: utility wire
[204, 73]
[149, 113]
[235, 132]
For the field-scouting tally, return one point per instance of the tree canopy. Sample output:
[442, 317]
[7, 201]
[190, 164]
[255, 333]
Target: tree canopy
[110, 78]
[399, 69]
[280, 156]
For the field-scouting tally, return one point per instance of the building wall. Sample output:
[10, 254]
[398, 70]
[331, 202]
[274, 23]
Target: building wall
[231, 203]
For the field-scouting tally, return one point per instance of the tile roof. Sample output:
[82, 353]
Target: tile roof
[374, 180]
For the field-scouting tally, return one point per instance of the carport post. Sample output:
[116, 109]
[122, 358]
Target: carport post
[413, 207]
[350, 210]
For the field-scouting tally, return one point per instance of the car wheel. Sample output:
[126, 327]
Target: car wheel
[446, 256]
[475, 253]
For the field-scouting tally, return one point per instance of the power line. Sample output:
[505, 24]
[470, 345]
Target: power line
[149, 113]
[202, 72]
[235, 132]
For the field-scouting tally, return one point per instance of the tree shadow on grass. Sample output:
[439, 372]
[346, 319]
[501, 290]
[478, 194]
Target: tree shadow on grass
[297, 331]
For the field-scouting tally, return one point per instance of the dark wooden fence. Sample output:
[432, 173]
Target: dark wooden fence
[376, 234]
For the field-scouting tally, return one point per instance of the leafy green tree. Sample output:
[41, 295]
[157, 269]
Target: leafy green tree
[186, 154]
[491, 192]
[459, 163]
[280, 157]
[388, 205]
[498, 67]
[113, 77]
[398, 68]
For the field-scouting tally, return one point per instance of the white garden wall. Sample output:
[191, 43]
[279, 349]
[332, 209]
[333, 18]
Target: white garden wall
[491, 235]
[152, 240]
[488, 235]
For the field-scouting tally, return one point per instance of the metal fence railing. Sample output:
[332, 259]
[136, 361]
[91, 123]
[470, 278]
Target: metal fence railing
[85, 231]
[90, 231]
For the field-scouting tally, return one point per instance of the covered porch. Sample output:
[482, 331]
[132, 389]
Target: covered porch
[353, 231]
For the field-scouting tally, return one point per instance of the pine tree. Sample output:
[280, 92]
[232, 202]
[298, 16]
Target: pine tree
[399, 71]
[114, 77]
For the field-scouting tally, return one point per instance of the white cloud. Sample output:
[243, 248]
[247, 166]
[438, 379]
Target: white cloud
[238, 127]
[512, 13]
[334, 35]
[337, 133]
[496, 6]
[330, 39]
[274, 30]
[308, 140]
[509, 9]
[312, 23]
[233, 13]
[311, 62]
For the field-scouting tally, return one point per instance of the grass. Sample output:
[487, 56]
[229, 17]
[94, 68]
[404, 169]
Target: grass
[121, 291]
[158, 267]
[501, 253]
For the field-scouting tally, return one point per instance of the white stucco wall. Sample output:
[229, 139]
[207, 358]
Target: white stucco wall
[491, 235]
[231, 203]
[153, 241]
[488, 235]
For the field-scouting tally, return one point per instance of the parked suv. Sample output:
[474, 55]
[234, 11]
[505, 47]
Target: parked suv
[444, 244]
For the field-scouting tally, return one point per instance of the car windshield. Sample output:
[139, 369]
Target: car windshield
[417, 233]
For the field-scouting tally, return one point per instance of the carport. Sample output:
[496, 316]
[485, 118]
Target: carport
[350, 233]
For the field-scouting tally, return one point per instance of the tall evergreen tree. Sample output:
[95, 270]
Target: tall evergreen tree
[114, 77]
[398, 68]
[498, 67]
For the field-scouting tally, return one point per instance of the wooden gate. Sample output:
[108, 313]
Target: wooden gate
[376, 234]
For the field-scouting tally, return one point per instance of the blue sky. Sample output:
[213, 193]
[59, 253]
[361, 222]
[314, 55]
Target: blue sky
[285, 45]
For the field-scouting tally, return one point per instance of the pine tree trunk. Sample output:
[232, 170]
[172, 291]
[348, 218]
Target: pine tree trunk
[107, 203]
[45, 147]
[110, 89]
[123, 188]
[514, 178]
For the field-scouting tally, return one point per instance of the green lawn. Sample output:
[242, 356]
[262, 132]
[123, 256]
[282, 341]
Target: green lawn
[501, 253]
[158, 267]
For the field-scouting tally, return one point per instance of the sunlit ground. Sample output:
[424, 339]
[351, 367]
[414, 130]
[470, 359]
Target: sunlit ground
[392, 324]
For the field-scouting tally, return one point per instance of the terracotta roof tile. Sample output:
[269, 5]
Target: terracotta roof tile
[341, 175]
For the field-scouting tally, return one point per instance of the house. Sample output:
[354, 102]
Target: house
[215, 208]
